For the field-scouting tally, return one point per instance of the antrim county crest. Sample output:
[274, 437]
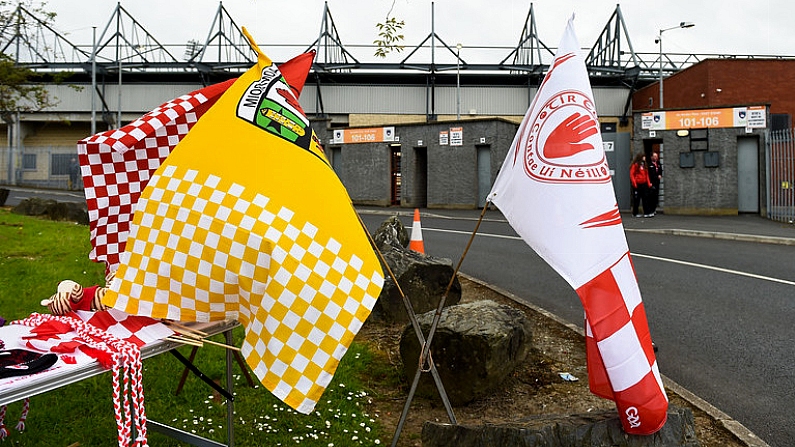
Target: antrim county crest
[563, 144]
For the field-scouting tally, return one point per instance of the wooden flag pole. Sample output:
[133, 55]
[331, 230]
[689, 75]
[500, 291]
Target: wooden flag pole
[223, 345]
[184, 328]
[185, 341]
[192, 336]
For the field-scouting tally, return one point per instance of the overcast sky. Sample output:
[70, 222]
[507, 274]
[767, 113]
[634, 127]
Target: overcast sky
[760, 27]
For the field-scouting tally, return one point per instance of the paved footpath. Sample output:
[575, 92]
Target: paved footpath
[744, 227]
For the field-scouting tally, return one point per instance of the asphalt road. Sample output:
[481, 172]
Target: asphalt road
[720, 311]
[17, 194]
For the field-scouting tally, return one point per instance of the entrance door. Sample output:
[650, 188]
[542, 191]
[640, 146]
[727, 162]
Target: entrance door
[420, 177]
[395, 174]
[655, 146]
[748, 175]
[336, 160]
[617, 151]
[484, 174]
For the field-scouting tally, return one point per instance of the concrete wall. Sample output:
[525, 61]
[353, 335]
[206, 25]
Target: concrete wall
[366, 173]
[436, 175]
[700, 189]
[449, 173]
[452, 178]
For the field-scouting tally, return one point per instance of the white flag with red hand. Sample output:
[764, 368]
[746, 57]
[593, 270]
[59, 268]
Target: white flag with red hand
[555, 190]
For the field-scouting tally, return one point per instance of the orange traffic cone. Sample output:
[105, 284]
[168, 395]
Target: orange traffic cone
[416, 234]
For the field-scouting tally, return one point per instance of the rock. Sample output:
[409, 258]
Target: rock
[391, 233]
[476, 346]
[422, 278]
[33, 206]
[53, 210]
[599, 429]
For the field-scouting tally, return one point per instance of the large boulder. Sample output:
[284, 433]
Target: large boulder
[600, 428]
[422, 278]
[53, 210]
[476, 346]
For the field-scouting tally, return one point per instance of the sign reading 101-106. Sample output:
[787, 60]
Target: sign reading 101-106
[748, 117]
[368, 135]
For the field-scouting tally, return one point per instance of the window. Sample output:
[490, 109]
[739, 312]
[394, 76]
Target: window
[699, 139]
[687, 160]
[29, 162]
[780, 121]
[59, 163]
[711, 159]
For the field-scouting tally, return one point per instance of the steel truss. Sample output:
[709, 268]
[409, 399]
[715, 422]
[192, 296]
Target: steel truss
[34, 42]
[126, 50]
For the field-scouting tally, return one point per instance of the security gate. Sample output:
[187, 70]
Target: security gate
[781, 176]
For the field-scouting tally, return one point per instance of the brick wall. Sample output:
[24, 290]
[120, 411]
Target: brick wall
[725, 83]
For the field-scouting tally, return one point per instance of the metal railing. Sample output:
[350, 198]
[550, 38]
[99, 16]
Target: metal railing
[781, 176]
[51, 167]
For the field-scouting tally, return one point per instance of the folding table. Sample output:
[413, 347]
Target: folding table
[69, 374]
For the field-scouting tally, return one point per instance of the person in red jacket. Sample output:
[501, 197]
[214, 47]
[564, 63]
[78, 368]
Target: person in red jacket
[641, 186]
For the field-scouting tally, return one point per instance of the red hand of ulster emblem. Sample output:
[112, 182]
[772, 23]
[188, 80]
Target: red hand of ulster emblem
[566, 139]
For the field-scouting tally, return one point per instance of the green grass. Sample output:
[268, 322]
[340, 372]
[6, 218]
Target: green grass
[36, 254]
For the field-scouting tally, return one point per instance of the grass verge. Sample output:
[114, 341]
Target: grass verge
[36, 254]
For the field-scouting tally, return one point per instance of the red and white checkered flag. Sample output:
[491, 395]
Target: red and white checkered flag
[555, 190]
[132, 328]
[117, 164]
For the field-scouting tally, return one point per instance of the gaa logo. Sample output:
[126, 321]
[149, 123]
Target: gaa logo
[563, 144]
[633, 418]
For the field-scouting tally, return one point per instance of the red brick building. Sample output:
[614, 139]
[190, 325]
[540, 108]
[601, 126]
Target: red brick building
[727, 82]
[712, 165]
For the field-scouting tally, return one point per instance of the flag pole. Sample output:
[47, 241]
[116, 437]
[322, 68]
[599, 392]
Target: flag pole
[426, 348]
[418, 331]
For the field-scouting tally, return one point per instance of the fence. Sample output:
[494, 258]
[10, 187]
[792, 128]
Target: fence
[53, 167]
[781, 176]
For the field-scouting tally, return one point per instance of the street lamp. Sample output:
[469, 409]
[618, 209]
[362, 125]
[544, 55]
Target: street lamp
[458, 47]
[659, 40]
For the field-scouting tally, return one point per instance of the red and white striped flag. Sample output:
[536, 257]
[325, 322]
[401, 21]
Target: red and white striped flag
[555, 190]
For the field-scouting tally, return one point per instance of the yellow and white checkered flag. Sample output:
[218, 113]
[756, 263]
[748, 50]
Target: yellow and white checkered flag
[246, 219]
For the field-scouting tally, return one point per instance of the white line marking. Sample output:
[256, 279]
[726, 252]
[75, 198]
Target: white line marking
[717, 269]
[656, 258]
[498, 236]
